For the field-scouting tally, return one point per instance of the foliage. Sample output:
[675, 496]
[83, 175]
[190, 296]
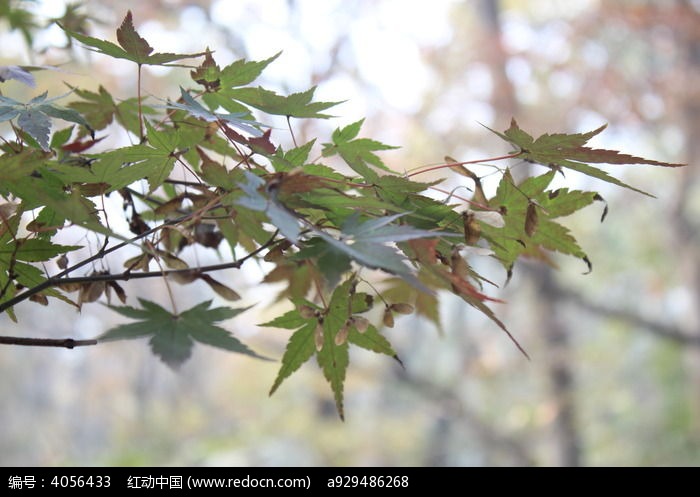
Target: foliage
[323, 225]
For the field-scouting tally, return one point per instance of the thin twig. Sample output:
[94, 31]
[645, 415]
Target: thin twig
[291, 132]
[127, 275]
[70, 343]
[54, 280]
[138, 89]
[457, 164]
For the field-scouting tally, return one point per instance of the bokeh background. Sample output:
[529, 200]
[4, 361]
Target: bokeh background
[615, 371]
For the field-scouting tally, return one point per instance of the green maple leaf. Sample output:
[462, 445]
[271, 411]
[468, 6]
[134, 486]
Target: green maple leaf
[332, 358]
[517, 203]
[208, 73]
[221, 84]
[364, 242]
[131, 46]
[124, 166]
[33, 250]
[358, 153]
[100, 109]
[34, 117]
[41, 185]
[172, 336]
[569, 150]
[300, 349]
[295, 157]
[372, 340]
[294, 105]
[30, 250]
[243, 72]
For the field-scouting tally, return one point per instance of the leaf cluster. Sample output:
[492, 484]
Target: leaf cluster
[333, 228]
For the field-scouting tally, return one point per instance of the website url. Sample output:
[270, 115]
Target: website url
[248, 482]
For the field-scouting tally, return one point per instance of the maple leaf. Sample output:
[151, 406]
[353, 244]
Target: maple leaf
[33, 250]
[364, 242]
[23, 74]
[331, 355]
[569, 150]
[34, 117]
[208, 73]
[17, 73]
[222, 84]
[278, 214]
[195, 109]
[124, 166]
[294, 105]
[525, 233]
[172, 336]
[131, 46]
[243, 72]
[358, 153]
[13, 251]
[372, 340]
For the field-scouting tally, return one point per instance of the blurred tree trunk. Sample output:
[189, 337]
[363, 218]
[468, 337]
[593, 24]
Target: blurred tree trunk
[504, 98]
[559, 368]
[556, 334]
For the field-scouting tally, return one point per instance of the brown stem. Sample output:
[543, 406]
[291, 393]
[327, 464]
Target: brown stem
[457, 164]
[138, 89]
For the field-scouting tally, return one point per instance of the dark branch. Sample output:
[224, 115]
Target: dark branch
[125, 276]
[67, 343]
[59, 279]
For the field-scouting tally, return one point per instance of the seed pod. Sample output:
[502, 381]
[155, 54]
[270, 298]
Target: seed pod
[388, 318]
[531, 219]
[307, 312]
[342, 334]
[360, 323]
[472, 228]
[402, 308]
[90, 292]
[62, 262]
[318, 336]
[39, 298]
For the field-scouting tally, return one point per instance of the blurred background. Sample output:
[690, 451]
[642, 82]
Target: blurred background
[615, 371]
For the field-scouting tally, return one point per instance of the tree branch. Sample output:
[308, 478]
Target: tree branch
[59, 279]
[54, 280]
[67, 343]
[662, 330]
[489, 436]
[70, 343]
[126, 275]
